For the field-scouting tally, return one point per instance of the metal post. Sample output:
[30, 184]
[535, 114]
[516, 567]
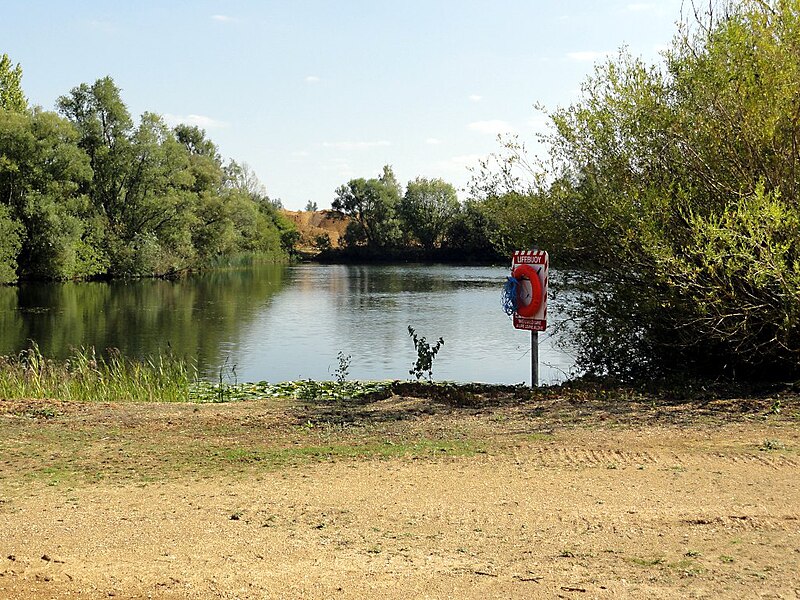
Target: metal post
[534, 359]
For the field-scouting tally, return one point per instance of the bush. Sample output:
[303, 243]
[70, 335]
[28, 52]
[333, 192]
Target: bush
[678, 185]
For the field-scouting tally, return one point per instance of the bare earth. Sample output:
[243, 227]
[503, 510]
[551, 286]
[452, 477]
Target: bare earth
[556, 496]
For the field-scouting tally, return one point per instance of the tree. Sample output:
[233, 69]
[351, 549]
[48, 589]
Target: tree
[373, 206]
[41, 171]
[10, 244]
[681, 184]
[204, 159]
[168, 201]
[470, 233]
[11, 96]
[104, 127]
[92, 194]
[241, 177]
[311, 206]
[427, 209]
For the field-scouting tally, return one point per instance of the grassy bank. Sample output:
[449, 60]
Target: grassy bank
[88, 377]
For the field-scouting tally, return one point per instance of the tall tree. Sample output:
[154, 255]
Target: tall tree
[105, 126]
[11, 96]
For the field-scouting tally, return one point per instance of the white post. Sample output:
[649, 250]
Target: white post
[534, 359]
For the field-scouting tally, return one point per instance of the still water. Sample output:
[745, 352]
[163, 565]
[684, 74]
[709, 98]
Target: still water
[277, 322]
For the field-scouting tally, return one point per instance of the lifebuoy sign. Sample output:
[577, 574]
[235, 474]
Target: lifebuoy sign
[530, 268]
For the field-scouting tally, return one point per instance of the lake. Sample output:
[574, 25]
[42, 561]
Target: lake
[283, 322]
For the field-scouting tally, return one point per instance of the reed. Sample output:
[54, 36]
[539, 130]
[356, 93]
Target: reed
[87, 377]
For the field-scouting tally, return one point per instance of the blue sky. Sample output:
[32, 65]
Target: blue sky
[312, 93]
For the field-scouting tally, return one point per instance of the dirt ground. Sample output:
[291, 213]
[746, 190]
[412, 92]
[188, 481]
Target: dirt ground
[312, 224]
[560, 495]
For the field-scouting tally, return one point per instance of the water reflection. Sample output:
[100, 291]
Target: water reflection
[194, 317]
[288, 322]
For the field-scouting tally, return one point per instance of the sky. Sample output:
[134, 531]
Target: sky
[313, 93]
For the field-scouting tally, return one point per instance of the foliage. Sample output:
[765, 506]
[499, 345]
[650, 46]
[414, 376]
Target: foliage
[343, 370]
[11, 96]
[681, 185]
[41, 170]
[322, 242]
[93, 194]
[87, 377]
[427, 208]
[470, 231]
[372, 204]
[311, 206]
[426, 221]
[426, 353]
[10, 245]
[306, 389]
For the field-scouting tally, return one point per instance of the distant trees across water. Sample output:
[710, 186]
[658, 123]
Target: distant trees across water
[426, 220]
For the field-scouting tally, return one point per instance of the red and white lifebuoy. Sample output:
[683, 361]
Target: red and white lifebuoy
[529, 290]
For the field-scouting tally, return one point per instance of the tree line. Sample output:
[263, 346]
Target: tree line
[85, 192]
[425, 220]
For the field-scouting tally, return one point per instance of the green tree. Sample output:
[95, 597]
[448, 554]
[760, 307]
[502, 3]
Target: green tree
[428, 209]
[372, 204]
[10, 244]
[11, 96]
[272, 231]
[311, 206]
[681, 184]
[240, 176]
[470, 233]
[41, 171]
[105, 127]
[92, 194]
[205, 163]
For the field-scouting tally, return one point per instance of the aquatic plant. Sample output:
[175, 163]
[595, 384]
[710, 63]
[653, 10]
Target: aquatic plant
[85, 376]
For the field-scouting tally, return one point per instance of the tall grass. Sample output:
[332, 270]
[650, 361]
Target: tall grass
[89, 378]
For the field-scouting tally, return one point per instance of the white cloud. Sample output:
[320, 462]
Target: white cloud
[201, 121]
[356, 145]
[432, 141]
[300, 154]
[475, 98]
[491, 127]
[312, 79]
[223, 18]
[588, 55]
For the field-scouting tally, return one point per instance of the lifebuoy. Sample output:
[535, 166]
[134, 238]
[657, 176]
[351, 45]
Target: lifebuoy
[529, 299]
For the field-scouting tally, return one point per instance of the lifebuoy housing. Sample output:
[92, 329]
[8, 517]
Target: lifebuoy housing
[529, 297]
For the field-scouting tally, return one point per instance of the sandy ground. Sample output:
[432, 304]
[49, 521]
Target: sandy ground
[312, 224]
[551, 499]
